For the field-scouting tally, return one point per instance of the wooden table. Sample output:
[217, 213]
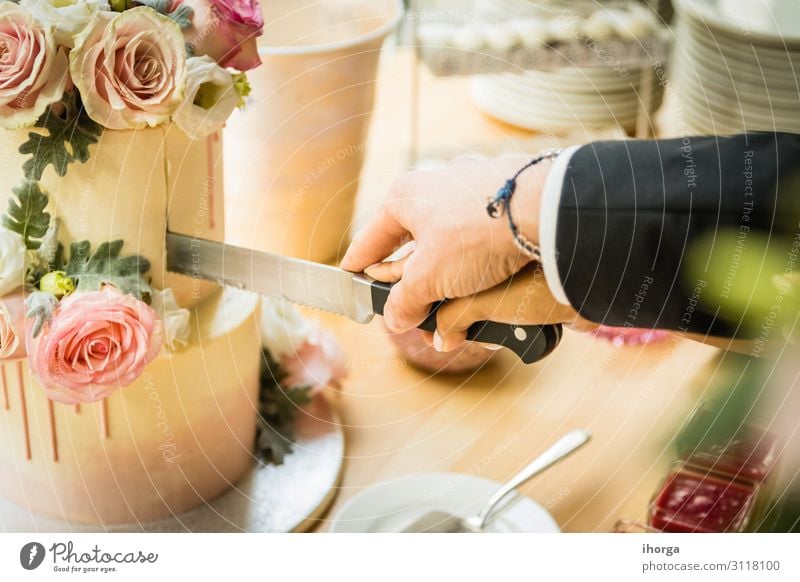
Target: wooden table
[400, 421]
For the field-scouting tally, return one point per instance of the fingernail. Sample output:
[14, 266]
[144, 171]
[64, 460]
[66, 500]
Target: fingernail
[492, 347]
[371, 268]
[438, 342]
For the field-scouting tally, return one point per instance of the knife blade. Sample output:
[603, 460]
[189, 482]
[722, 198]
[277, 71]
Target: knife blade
[353, 295]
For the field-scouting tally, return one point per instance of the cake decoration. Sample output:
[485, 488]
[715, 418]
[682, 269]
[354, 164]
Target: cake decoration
[95, 343]
[113, 112]
[33, 70]
[130, 68]
[300, 360]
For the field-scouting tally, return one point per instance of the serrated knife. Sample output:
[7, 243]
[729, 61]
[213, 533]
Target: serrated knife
[331, 289]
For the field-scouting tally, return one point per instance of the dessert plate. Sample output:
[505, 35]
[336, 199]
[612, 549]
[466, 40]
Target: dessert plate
[393, 505]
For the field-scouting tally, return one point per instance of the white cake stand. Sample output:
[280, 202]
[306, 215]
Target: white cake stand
[291, 497]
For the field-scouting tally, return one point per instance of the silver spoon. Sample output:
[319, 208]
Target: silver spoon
[441, 522]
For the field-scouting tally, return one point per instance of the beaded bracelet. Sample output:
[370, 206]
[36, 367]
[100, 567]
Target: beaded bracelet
[501, 204]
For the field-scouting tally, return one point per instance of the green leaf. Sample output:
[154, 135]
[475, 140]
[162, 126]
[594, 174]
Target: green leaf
[160, 6]
[69, 133]
[120, 5]
[41, 308]
[26, 215]
[106, 266]
[278, 408]
[182, 15]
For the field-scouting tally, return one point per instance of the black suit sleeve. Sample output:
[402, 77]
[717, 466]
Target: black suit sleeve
[631, 210]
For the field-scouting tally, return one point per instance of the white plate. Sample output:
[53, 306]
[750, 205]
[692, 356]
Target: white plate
[543, 90]
[767, 21]
[765, 102]
[708, 114]
[393, 505]
[753, 91]
[536, 116]
[724, 59]
[741, 72]
[705, 96]
[773, 59]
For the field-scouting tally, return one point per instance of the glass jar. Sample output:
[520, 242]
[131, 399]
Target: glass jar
[749, 453]
[693, 501]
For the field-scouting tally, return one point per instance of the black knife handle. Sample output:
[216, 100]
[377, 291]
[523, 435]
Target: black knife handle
[530, 342]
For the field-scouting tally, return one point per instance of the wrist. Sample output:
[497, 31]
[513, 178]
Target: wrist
[527, 201]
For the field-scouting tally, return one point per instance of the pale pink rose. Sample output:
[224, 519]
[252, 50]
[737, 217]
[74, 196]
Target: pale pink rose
[318, 363]
[12, 326]
[130, 68]
[33, 70]
[96, 343]
[226, 30]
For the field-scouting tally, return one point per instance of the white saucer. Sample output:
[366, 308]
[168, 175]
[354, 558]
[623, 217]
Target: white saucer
[393, 505]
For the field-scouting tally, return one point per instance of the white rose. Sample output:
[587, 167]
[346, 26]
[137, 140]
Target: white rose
[176, 319]
[209, 100]
[283, 328]
[12, 261]
[67, 17]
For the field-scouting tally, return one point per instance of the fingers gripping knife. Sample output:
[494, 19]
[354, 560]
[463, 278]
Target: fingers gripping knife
[324, 287]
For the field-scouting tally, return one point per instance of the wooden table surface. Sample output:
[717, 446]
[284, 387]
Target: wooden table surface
[400, 421]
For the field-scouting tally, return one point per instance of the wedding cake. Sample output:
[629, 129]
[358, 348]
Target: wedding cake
[127, 393]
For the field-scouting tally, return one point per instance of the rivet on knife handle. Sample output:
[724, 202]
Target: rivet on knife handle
[530, 342]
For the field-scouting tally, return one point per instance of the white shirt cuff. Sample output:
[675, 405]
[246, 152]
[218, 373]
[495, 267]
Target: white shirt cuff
[548, 220]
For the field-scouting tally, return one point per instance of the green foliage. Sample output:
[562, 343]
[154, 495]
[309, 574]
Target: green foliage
[41, 308]
[278, 408]
[68, 134]
[26, 215]
[242, 86]
[121, 5]
[745, 276]
[106, 266]
[182, 15]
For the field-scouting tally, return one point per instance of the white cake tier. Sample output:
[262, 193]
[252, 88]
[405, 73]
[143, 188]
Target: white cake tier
[133, 186]
[181, 434]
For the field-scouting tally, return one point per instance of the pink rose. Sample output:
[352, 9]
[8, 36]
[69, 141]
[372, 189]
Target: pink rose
[226, 30]
[33, 70]
[96, 343]
[130, 68]
[318, 363]
[12, 326]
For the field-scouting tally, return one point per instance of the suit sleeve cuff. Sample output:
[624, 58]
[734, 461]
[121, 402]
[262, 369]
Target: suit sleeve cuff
[548, 221]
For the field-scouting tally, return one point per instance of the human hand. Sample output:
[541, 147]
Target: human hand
[459, 249]
[523, 299]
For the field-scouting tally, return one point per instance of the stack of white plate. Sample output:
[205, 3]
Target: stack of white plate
[736, 65]
[561, 99]
[565, 98]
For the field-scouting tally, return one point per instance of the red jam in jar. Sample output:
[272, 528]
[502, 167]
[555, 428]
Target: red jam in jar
[692, 502]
